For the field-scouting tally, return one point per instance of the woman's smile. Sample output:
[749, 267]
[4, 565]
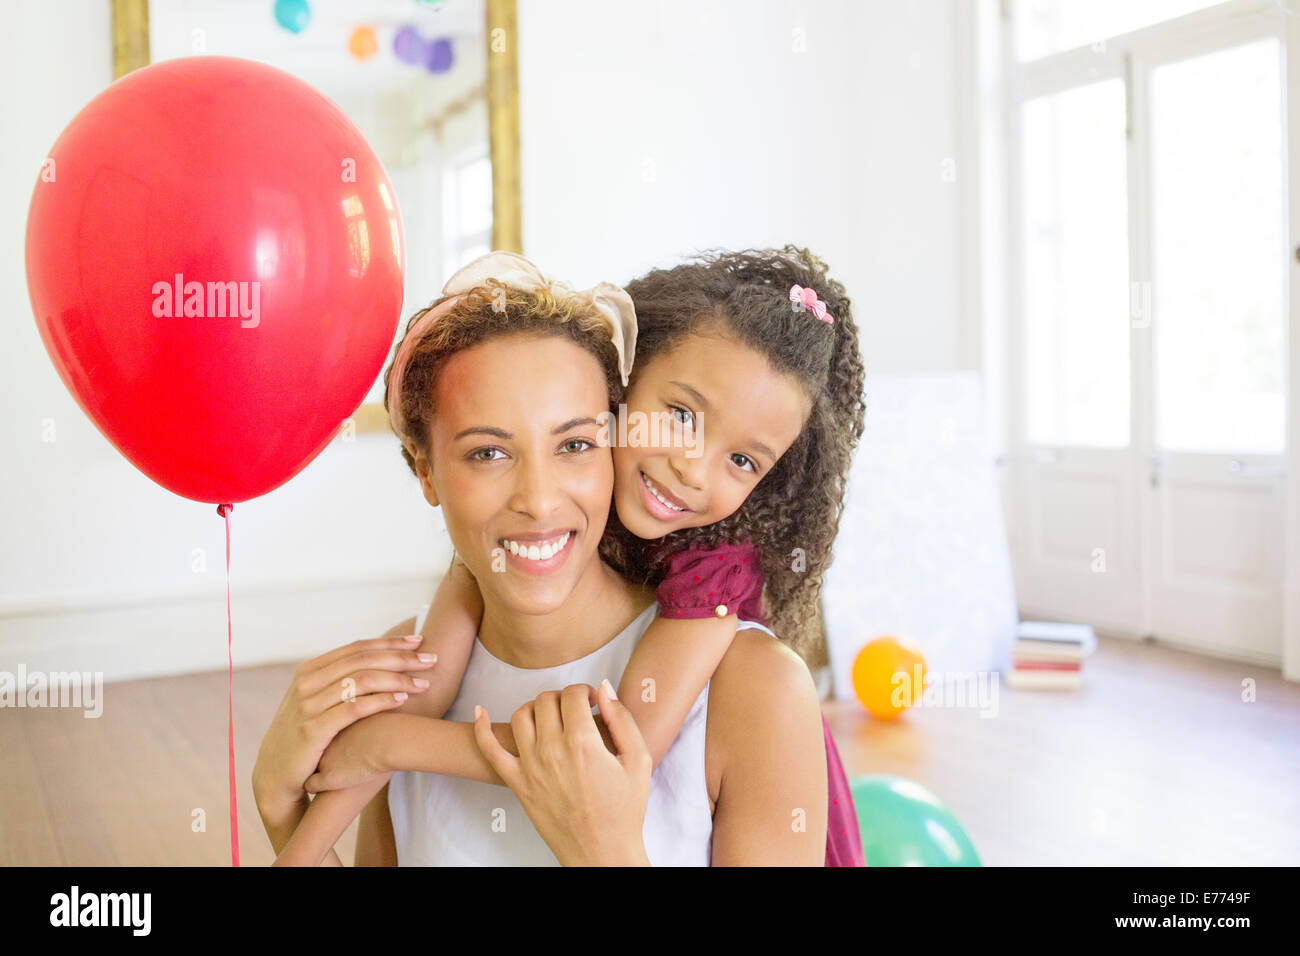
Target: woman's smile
[538, 552]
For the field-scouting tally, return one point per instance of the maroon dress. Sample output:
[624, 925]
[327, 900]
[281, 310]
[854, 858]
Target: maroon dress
[704, 582]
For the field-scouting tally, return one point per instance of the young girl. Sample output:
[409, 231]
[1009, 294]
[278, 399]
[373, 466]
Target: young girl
[753, 360]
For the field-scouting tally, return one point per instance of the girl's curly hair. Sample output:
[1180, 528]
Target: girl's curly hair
[487, 312]
[796, 506]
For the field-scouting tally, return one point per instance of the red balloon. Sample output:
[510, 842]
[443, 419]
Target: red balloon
[215, 261]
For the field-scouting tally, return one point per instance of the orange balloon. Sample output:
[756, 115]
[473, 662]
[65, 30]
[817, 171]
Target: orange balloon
[362, 43]
[875, 683]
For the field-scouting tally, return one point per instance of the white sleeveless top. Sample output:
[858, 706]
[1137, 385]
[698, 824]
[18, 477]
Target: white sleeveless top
[446, 821]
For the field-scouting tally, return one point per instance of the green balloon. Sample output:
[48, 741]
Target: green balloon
[904, 824]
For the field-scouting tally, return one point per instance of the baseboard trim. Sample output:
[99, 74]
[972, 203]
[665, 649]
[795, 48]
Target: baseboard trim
[131, 636]
[1217, 651]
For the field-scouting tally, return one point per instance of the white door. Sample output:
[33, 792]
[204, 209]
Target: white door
[1215, 353]
[1078, 541]
[1149, 183]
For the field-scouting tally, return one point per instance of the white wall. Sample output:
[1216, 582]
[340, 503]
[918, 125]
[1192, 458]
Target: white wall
[96, 561]
[840, 147]
[650, 130]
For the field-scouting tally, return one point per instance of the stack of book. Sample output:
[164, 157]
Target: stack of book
[1050, 656]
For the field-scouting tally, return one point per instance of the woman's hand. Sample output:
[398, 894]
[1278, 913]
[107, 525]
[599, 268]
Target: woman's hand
[327, 694]
[587, 804]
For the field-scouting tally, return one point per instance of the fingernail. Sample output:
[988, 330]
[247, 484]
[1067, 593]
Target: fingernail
[427, 658]
[411, 637]
[609, 688]
[478, 711]
[399, 697]
[421, 683]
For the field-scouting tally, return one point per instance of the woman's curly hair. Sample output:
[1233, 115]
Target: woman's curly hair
[487, 312]
[796, 506]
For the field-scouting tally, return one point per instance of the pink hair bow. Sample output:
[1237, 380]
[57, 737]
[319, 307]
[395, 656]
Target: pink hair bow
[807, 299]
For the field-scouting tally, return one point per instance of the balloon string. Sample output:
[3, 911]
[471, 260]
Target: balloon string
[224, 511]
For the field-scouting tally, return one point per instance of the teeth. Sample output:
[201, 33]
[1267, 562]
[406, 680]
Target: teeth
[534, 552]
[646, 481]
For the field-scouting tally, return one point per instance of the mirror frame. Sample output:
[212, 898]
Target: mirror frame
[131, 51]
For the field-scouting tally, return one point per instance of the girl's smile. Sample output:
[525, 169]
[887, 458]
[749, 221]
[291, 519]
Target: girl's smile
[660, 502]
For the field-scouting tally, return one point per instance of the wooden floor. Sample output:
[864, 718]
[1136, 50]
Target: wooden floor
[1156, 761]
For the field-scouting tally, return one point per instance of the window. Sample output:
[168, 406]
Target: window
[1218, 204]
[1050, 26]
[1075, 266]
[1152, 203]
[467, 209]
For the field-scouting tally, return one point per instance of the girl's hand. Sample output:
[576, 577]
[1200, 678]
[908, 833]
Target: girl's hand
[353, 757]
[587, 804]
[327, 694]
[324, 822]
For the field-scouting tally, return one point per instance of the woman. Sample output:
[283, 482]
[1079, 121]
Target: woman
[513, 454]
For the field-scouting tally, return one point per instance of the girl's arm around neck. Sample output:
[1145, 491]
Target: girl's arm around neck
[282, 822]
[400, 742]
[376, 842]
[312, 842]
[668, 670]
[449, 631]
[408, 742]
